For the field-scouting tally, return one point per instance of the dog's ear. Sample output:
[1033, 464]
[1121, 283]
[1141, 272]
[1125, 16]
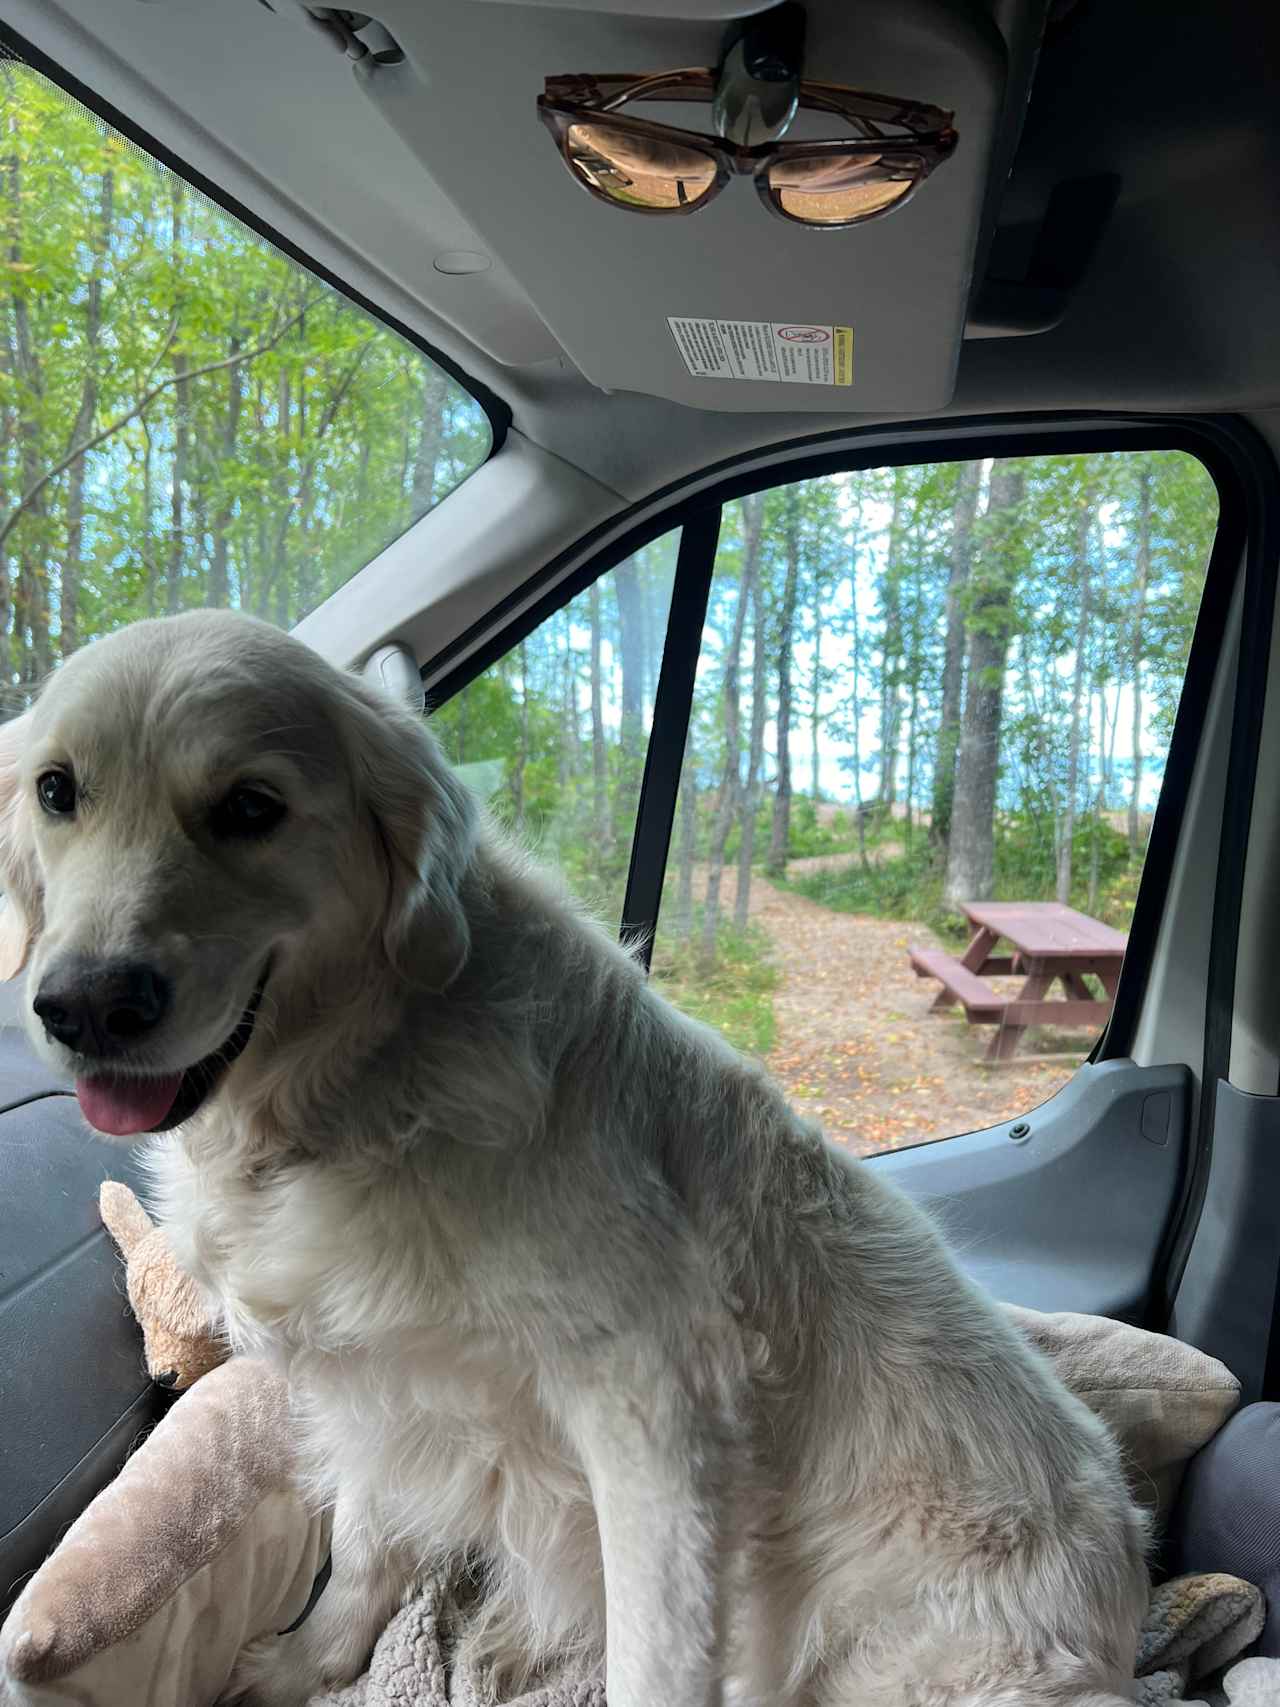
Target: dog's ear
[22, 911]
[426, 821]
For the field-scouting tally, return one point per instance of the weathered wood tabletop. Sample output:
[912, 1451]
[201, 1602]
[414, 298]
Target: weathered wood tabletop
[1049, 942]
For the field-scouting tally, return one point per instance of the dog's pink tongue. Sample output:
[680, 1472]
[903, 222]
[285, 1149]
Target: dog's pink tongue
[122, 1107]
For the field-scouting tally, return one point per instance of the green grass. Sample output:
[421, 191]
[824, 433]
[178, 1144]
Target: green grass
[808, 834]
[735, 995]
[908, 885]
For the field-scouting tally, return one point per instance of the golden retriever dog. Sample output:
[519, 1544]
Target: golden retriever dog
[560, 1281]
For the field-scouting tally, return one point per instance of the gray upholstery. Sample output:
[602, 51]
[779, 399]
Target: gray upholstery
[73, 1392]
[1228, 1516]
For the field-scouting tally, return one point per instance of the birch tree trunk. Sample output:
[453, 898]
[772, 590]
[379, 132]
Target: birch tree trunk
[729, 796]
[971, 855]
[1141, 580]
[780, 834]
[69, 597]
[599, 757]
[755, 752]
[959, 556]
[1079, 693]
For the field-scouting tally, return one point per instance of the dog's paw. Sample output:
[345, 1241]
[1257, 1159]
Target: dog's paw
[282, 1671]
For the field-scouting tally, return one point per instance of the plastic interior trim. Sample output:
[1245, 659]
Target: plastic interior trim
[1066, 1214]
[1260, 482]
[1227, 1295]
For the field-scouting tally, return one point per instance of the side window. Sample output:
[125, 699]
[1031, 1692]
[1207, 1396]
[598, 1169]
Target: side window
[930, 726]
[553, 736]
[189, 417]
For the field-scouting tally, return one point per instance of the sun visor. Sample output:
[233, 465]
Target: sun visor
[725, 308]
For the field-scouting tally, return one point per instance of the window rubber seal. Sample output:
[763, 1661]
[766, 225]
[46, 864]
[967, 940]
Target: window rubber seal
[497, 411]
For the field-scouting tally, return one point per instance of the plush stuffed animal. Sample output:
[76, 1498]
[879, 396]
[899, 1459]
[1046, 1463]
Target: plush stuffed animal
[180, 1340]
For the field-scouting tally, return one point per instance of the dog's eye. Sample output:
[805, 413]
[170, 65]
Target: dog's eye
[56, 791]
[247, 811]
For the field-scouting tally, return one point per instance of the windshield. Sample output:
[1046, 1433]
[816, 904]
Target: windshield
[188, 416]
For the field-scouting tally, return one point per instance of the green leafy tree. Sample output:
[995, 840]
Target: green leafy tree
[186, 417]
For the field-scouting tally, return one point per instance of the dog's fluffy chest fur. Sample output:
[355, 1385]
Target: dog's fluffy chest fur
[412, 1395]
[316, 1258]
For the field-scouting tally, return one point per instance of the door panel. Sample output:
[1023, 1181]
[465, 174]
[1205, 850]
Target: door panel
[1064, 1209]
[1228, 1297]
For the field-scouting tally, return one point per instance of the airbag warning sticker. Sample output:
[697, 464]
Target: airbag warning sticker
[760, 349]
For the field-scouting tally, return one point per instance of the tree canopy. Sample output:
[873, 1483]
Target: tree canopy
[187, 417]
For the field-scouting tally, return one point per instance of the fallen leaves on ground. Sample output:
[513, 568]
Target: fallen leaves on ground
[858, 1049]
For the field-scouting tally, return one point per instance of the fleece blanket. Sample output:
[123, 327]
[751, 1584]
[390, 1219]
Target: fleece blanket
[412, 1665]
[1195, 1628]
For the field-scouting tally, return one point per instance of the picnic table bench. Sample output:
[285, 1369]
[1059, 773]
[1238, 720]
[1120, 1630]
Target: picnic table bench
[1047, 942]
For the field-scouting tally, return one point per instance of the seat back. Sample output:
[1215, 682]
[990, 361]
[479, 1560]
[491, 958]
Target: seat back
[1228, 1513]
[74, 1395]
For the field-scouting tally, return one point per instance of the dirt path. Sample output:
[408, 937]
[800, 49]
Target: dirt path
[858, 1049]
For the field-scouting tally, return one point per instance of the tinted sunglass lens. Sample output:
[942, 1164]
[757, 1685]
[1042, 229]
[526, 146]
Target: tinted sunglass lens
[639, 171]
[837, 189]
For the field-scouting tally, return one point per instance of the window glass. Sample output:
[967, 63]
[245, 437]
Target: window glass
[553, 736]
[922, 691]
[189, 417]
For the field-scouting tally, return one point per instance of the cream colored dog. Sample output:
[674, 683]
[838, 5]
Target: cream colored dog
[559, 1280]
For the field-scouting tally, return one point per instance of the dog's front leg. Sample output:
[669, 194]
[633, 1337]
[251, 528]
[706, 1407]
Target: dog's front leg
[369, 1581]
[658, 1456]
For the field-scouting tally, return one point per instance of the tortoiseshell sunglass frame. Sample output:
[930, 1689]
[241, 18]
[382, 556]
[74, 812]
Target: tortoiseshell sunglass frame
[925, 136]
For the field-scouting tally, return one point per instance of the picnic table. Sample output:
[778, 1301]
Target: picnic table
[1047, 942]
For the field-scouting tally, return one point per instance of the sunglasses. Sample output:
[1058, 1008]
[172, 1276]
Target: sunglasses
[658, 168]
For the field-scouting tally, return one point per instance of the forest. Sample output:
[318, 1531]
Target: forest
[187, 417]
[917, 685]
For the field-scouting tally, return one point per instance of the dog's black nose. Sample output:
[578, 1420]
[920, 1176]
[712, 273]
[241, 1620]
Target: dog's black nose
[168, 1379]
[101, 1008]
